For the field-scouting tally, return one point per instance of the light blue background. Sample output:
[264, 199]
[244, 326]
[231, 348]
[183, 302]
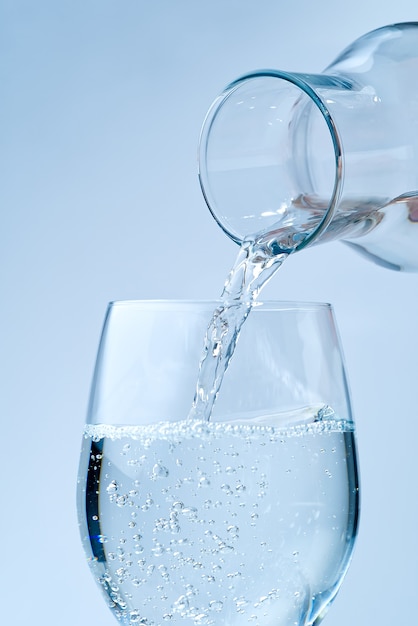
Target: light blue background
[100, 109]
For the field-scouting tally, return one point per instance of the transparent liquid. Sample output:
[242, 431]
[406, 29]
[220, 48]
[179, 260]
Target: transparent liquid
[254, 266]
[222, 523]
[384, 230]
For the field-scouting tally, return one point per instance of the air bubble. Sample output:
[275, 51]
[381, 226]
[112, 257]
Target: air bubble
[164, 572]
[181, 604]
[190, 513]
[161, 524]
[148, 503]
[135, 618]
[224, 548]
[121, 572]
[112, 487]
[217, 467]
[209, 578]
[159, 471]
[240, 603]
[233, 531]
[158, 550]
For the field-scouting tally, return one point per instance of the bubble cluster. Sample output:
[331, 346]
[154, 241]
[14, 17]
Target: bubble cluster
[218, 521]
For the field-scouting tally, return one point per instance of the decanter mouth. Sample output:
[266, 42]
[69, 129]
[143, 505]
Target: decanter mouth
[267, 141]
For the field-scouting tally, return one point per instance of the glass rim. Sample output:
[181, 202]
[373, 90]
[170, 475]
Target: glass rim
[175, 303]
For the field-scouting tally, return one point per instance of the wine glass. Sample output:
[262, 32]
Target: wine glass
[248, 517]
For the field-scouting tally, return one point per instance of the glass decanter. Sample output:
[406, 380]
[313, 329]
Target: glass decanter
[292, 159]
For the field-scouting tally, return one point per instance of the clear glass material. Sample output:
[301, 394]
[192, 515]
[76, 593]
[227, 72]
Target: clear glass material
[294, 159]
[248, 517]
